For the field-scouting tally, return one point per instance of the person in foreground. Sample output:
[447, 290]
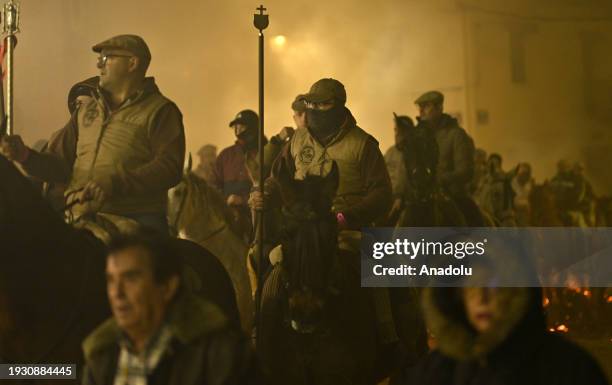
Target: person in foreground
[497, 336]
[160, 333]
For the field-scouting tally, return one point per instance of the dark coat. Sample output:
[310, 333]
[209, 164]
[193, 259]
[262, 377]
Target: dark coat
[518, 350]
[455, 155]
[230, 174]
[204, 350]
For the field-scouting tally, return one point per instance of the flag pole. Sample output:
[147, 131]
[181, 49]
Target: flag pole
[10, 16]
[260, 21]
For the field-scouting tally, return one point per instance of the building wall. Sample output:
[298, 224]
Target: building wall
[541, 86]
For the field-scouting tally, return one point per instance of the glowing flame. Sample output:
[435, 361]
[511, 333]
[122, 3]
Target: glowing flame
[545, 302]
[587, 293]
[609, 300]
[279, 40]
[562, 328]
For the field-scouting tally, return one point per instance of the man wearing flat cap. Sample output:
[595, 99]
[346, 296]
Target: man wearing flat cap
[332, 134]
[121, 150]
[364, 191]
[456, 153]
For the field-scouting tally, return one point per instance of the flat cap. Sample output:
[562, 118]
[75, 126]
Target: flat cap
[430, 97]
[133, 43]
[324, 90]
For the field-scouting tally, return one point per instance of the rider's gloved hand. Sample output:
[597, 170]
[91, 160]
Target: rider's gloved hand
[256, 200]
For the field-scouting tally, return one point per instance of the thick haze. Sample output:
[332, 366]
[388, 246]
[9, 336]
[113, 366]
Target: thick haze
[386, 53]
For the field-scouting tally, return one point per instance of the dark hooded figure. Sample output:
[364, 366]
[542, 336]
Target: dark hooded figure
[81, 92]
[497, 336]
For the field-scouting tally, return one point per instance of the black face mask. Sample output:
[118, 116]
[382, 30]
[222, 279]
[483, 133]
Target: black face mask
[325, 123]
[249, 137]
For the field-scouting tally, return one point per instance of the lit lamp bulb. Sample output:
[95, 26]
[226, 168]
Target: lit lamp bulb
[279, 40]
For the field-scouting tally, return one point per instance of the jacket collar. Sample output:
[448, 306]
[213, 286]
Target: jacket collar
[148, 88]
[189, 318]
[446, 121]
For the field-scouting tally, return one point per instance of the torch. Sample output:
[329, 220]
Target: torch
[10, 16]
[260, 21]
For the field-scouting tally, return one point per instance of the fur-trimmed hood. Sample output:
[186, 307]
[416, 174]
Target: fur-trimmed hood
[522, 317]
[447, 321]
[190, 318]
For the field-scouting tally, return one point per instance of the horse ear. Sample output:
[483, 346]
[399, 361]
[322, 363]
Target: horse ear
[332, 180]
[189, 164]
[284, 177]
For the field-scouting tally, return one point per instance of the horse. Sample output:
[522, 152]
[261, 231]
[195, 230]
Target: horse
[196, 211]
[52, 281]
[316, 325]
[424, 202]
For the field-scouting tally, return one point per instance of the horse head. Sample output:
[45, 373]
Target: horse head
[420, 153]
[309, 245]
[195, 209]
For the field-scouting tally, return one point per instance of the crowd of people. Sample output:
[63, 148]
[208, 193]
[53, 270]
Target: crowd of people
[124, 148]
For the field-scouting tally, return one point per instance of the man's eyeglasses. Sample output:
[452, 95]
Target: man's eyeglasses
[104, 58]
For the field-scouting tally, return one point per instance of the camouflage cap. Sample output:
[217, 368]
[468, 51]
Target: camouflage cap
[133, 43]
[430, 97]
[324, 90]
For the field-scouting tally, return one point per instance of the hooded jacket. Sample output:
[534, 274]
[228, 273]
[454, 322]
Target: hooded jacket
[86, 87]
[516, 350]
